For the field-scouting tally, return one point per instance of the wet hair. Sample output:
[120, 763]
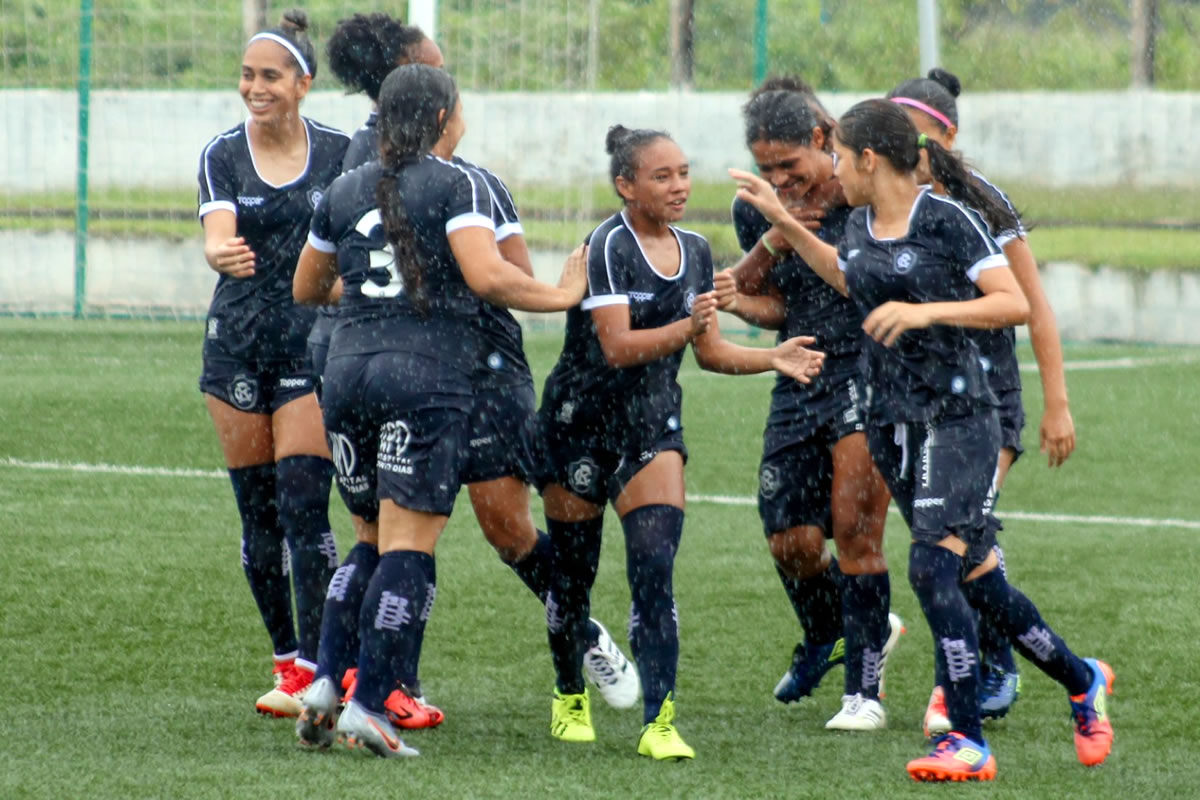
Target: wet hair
[937, 90]
[623, 145]
[366, 47]
[785, 108]
[885, 127]
[410, 99]
[293, 27]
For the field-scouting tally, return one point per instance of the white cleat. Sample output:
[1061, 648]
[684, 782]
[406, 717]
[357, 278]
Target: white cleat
[357, 727]
[858, 714]
[613, 675]
[895, 628]
[318, 714]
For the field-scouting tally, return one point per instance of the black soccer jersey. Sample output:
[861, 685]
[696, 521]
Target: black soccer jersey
[364, 145]
[376, 312]
[641, 398]
[255, 317]
[937, 370]
[813, 308]
[999, 346]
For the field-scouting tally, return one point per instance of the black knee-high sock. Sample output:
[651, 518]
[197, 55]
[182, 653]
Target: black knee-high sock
[535, 568]
[263, 553]
[934, 574]
[343, 602]
[865, 603]
[410, 666]
[302, 494]
[817, 601]
[993, 643]
[391, 622]
[1017, 617]
[576, 557]
[652, 536]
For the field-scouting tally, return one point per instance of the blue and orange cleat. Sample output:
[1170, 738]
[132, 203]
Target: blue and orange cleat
[809, 665]
[998, 691]
[1093, 731]
[955, 758]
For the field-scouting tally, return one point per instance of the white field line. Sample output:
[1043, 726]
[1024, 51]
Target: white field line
[715, 499]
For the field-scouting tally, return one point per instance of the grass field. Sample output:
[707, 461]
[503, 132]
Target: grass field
[133, 653]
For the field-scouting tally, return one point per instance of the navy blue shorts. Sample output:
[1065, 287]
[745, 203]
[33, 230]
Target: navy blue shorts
[318, 347]
[389, 439]
[942, 477]
[501, 435]
[1012, 422]
[588, 460]
[256, 387]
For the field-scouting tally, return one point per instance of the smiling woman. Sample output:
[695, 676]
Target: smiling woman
[259, 183]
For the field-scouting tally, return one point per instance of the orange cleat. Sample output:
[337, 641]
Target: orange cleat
[1093, 730]
[402, 709]
[955, 758]
[937, 717]
[291, 682]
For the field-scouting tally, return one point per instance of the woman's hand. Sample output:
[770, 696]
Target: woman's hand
[888, 321]
[1057, 435]
[760, 194]
[574, 274]
[725, 289]
[233, 257]
[793, 359]
[704, 312]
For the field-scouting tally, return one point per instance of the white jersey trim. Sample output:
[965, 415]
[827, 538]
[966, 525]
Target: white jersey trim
[207, 169]
[317, 243]
[307, 158]
[841, 264]
[604, 300]
[509, 229]
[642, 250]
[986, 263]
[216, 205]
[472, 219]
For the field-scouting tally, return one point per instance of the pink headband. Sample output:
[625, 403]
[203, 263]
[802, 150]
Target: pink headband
[930, 110]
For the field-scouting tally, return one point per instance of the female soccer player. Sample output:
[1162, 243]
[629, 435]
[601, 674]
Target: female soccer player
[931, 105]
[611, 426]
[816, 476]
[922, 269]
[259, 183]
[362, 51]
[413, 239]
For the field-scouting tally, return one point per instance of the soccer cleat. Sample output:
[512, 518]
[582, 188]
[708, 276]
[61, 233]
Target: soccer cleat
[358, 728]
[858, 714]
[661, 740]
[315, 727]
[955, 758]
[571, 718]
[284, 699]
[607, 668]
[809, 665]
[1093, 731]
[895, 628]
[998, 692]
[406, 708]
[937, 717]
[348, 679]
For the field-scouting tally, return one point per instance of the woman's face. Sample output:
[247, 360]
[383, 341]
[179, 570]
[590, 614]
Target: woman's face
[661, 183]
[856, 182]
[793, 169]
[269, 86]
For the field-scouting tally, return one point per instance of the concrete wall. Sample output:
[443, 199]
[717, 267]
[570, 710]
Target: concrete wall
[154, 138]
[140, 274]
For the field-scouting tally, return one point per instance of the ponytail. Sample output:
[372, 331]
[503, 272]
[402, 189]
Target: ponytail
[948, 169]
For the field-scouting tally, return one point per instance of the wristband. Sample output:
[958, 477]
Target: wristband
[767, 246]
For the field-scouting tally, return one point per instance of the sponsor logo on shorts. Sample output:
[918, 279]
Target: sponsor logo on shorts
[958, 384]
[212, 328]
[581, 475]
[689, 300]
[566, 411]
[243, 392]
[345, 462]
[929, 502]
[250, 201]
[769, 481]
[482, 440]
[294, 383]
[905, 260]
[393, 442]
[495, 361]
[314, 197]
[647, 456]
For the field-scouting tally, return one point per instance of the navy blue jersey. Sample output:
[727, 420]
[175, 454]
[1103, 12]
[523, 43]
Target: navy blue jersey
[255, 317]
[376, 313]
[813, 308]
[999, 346]
[364, 145]
[644, 396]
[936, 370]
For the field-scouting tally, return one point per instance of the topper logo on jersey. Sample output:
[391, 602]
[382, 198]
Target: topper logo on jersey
[243, 391]
[581, 475]
[393, 441]
[904, 262]
[689, 300]
[314, 197]
[768, 481]
[250, 201]
[641, 297]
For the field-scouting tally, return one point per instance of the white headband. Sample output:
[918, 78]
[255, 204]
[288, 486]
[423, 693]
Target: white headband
[291, 48]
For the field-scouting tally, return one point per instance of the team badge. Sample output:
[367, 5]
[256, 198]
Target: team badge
[768, 481]
[672, 423]
[905, 260]
[314, 197]
[566, 412]
[689, 300]
[243, 391]
[581, 475]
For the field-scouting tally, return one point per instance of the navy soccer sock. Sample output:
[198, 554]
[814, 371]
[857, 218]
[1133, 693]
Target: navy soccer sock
[535, 567]
[263, 553]
[993, 644]
[343, 602]
[391, 622]
[933, 573]
[302, 495]
[652, 536]
[817, 602]
[865, 603]
[410, 666]
[576, 558]
[1017, 617]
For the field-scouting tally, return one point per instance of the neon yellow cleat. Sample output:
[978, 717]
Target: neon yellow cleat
[661, 740]
[571, 718]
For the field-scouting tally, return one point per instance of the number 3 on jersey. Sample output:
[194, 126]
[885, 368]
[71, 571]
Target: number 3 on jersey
[384, 258]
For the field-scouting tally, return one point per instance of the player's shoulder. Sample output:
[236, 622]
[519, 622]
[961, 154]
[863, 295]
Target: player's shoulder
[992, 189]
[745, 214]
[223, 143]
[609, 233]
[693, 241]
[327, 132]
[943, 216]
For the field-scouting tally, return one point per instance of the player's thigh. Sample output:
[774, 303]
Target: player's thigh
[246, 438]
[298, 430]
[658, 482]
[502, 509]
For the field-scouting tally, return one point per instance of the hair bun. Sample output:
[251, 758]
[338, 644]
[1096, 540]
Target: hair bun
[613, 140]
[948, 80]
[294, 20]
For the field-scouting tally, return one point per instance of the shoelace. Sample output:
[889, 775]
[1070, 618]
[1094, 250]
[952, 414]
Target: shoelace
[575, 712]
[662, 730]
[603, 667]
